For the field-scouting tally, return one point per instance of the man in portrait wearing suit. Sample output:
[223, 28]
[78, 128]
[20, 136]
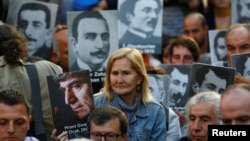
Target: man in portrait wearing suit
[141, 18]
[90, 41]
[34, 22]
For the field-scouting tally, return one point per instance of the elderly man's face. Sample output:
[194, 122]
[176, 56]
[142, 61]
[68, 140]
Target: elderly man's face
[201, 115]
[237, 41]
[144, 17]
[234, 107]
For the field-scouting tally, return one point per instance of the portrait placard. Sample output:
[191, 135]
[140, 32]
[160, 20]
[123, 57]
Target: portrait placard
[240, 11]
[141, 29]
[178, 85]
[205, 77]
[241, 62]
[92, 38]
[71, 99]
[159, 86]
[36, 20]
[218, 49]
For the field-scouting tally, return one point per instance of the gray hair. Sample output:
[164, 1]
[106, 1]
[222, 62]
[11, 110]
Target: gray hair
[210, 97]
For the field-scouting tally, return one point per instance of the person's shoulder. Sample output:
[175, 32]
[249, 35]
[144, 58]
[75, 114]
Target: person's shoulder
[45, 65]
[155, 104]
[30, 139]
[100, 99]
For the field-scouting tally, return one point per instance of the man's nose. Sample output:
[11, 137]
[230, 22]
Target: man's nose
[11, 128]
[197, 125]
[182, 90]
[98, 42]
[28, 30]
[153, 14]
[69, 96]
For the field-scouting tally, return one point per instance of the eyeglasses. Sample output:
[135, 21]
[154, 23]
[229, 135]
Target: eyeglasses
[107, 137]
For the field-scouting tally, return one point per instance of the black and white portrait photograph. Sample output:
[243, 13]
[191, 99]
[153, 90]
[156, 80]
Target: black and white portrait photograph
[205, 77]
[71, 99]
[36, 21]
[159, 86]
[178, 85]
[218, 49]
[240, 11]
[92, 37]
[241, 62]
[140, 24]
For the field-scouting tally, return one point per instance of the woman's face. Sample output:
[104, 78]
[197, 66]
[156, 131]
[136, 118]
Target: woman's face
[124, 78]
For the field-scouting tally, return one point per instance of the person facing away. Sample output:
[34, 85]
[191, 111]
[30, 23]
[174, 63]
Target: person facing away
[202, 109]
[34, 22]
[15, 116]
[182, 50]
[13, 56]
[109, 123]
[78, 95]
[126, 87]
[59, 54]
[90, 41]
[237, 41]
[234, 105]
[141, 18]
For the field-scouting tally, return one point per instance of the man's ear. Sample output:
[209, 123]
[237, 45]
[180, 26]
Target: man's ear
[129, 17]
[48, 37]
[54, 57]
[195, 87]
[49, 32]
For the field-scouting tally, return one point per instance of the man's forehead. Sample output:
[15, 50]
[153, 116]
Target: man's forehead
[146, 3]
[31, 11]
[91, 24]
[32, 15]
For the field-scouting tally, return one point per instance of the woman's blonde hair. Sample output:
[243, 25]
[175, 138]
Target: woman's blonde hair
[135, 57]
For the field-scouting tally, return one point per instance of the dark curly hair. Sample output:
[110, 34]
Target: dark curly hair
[13, 44]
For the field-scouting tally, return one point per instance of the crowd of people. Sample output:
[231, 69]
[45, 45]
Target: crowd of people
[130, 105]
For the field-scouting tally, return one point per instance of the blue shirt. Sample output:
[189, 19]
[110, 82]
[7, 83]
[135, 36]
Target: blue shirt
[147, 124]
